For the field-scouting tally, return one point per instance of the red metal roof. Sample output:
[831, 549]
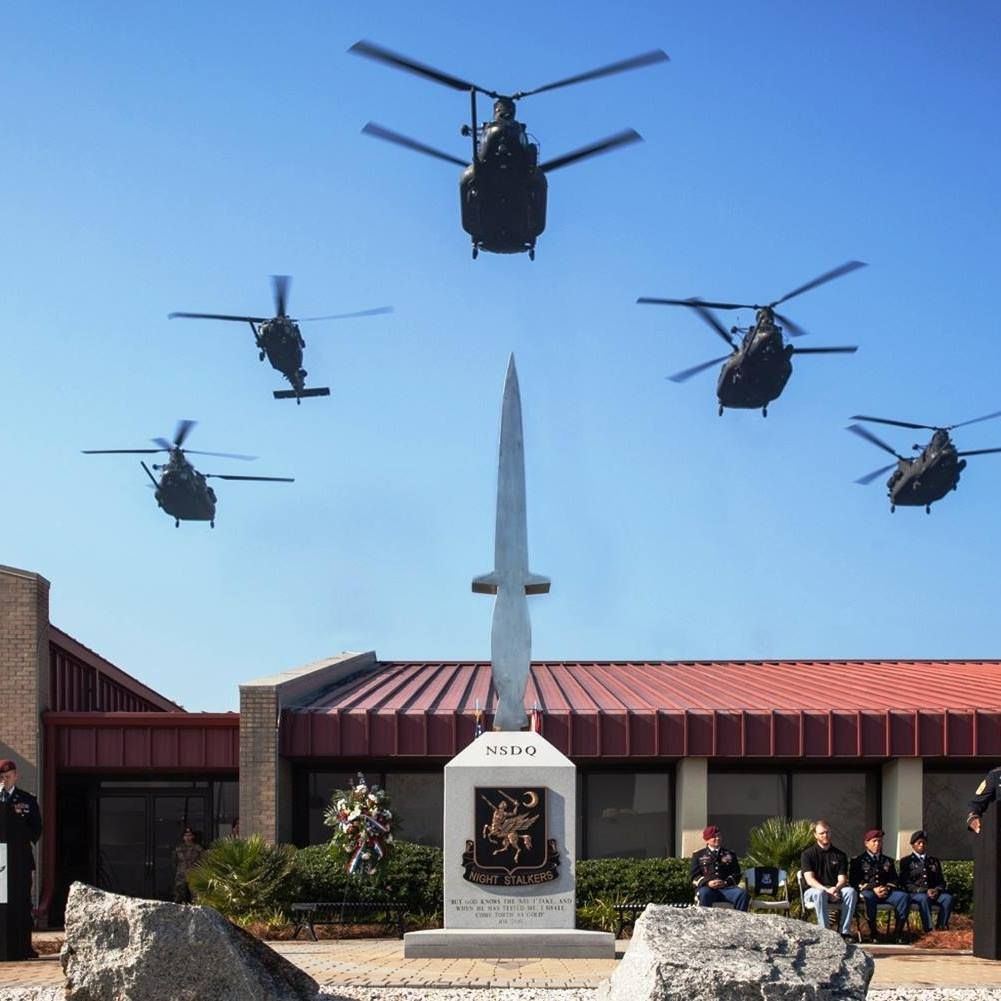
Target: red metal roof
[720, 709]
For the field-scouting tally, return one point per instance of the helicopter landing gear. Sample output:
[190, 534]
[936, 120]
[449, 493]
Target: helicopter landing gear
[177, 523]
[927, 508]
[476, 251]
[260, 356]
[893, 507]
[212, 523]
[531, 254]
[721, 410]
[764, 411]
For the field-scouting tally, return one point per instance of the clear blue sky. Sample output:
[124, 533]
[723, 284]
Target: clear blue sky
[168, 157]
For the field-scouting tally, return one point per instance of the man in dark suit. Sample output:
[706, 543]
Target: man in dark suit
[922, 879]
[22, 822]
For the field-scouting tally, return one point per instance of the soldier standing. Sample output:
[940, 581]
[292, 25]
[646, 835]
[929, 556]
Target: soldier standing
[186, 856]
[715, 873]
[986, 793]
[23, 825]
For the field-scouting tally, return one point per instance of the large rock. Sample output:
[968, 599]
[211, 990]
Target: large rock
[709, 954]
[126, 949]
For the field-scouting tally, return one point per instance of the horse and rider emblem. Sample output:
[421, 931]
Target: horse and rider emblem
[511, 846]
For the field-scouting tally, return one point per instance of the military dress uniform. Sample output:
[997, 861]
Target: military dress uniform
[24, 826]
[868, 871]
[718, 863]
[987, 792]
[918, 875]
[185, 859]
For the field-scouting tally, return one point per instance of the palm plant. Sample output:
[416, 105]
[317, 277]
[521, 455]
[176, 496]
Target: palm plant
[245, 879]
[780, 842]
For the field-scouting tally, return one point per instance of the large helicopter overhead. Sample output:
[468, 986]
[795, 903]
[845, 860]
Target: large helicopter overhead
[503, 189]
[278, 339]
[922, 479]
[759, 365]
[182, 491]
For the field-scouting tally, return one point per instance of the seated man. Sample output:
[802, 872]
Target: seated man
[922, 879]
[874, 875]
[716, 873]
[825, 872]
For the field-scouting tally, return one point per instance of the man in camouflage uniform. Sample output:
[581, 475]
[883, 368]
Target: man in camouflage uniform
[186, 856]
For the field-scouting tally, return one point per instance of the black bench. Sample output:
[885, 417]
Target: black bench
[628, 913]
[345, 912]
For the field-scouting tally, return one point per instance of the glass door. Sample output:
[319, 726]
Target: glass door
[170, 814]
[121, 847]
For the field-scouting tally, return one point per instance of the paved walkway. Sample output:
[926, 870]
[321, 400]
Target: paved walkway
[380, 963]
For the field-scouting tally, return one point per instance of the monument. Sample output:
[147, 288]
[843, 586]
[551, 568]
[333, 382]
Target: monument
[510, 796]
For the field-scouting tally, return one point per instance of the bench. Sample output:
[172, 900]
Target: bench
[628, 913]
[309, 914]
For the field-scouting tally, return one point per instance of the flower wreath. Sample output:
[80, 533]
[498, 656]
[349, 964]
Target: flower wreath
[362, 823]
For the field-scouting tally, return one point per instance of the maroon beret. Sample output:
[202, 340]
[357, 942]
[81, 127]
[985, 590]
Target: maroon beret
[874, 833]
[712, 831]
[6, 765]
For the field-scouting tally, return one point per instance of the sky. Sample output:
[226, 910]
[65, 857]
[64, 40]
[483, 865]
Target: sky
[161, 157]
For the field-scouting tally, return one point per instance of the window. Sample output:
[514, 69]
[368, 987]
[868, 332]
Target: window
[848, 801]
[418, 799]
[739, 801]
[947, 797]
[627, 815]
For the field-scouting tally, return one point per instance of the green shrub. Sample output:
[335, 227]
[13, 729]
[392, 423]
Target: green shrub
[641, 881]
[779, 842]
[411, 874]
[245, 879]
[959, 880]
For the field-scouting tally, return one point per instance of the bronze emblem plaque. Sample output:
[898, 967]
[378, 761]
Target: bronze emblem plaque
[511, 844]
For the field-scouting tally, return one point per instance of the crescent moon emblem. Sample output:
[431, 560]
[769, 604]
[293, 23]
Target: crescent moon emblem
[531, 799]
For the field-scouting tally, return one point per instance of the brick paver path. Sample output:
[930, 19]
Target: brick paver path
[380, 963]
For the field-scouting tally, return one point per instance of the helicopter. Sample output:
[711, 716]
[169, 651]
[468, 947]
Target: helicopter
[758, 367]
[278, 339]
[503, 190]
[925, 478]
[181, 490]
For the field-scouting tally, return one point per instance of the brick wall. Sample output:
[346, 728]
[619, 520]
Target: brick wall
[24, 669]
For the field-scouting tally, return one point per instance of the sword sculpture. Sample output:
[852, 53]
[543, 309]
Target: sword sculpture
[510, 580]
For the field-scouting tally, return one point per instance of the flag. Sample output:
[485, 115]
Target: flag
[535, 719]
[478, 717]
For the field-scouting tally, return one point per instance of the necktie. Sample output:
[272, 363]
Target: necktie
[3, 796]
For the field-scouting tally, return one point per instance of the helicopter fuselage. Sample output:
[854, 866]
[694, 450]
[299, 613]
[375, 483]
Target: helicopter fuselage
[280, 341]
[503, 194]
[757, 372]
[183, 492]
[921, 481]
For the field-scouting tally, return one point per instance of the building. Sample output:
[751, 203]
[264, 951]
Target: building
[661, 748]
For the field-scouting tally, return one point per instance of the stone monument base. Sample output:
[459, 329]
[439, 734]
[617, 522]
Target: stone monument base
[508, 943]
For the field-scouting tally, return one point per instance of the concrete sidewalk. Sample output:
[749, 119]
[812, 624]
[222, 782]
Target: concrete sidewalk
[380, 963]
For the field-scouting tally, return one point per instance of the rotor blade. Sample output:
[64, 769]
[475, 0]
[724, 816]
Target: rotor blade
[268, 479]
[793, 329]
[976, 420]
[165, 446]
[844, 269]
[123, 451]
[372, 51]
[689, 372]
[980, 451]
[869, 477]
[279, 288]
[217, 316]
[633, 63]
[182, 432]
[221, 455]
[699, 305]
[394, 137]
[149, 474]
[870, 437]
[899, 424]
[348, 316]
[825, 351]
[623, 138]
[698, 301]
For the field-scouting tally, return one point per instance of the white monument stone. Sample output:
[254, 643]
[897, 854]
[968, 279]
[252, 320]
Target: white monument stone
[510, 796]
